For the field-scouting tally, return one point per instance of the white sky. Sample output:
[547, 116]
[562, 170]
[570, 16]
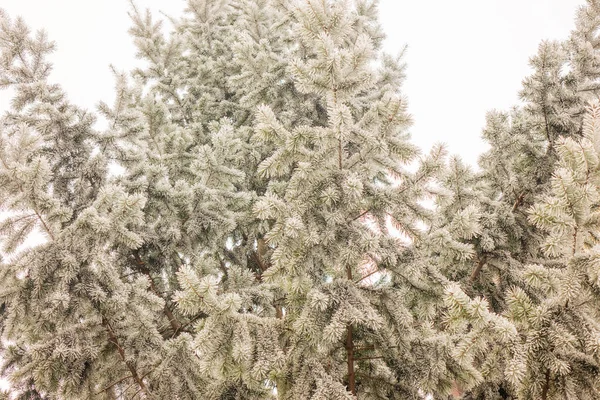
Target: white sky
[465, 57]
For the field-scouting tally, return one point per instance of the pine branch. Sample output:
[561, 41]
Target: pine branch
[175, 324]
[575, 232]
[477, 270]
[350, 348]
[261, 265]
[135, 394]
[190, 322]
[366, 276]
[114, 384]
[121, 350]
[44, 224]
[546, 386]
[258, 256]
[362, 214]
[191, 286]
[518, 202]
[350, 360]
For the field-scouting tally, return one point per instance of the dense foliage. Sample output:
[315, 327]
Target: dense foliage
[254, 223]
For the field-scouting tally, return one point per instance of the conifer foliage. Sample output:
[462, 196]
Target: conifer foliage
[252, 222]
[226, 236]
[533, 152]
[557, 356]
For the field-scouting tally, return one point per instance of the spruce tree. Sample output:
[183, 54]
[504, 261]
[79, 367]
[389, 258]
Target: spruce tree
[515, 172]
[226, 236]
[343, 180]
[550, 346]
[557, 356]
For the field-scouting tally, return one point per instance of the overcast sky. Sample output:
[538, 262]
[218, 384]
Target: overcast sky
[465, 57]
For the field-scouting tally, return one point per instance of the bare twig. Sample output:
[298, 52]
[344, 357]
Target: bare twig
[366, 276]
[114, 383]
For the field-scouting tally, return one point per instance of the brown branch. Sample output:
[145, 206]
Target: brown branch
[278, 312]
[175, 324]
[350, 348]
[129, 274]
[258, 256]
[550, 141]
[366, 276]
[477, 269]
[575, 231]
[191, 321]
[546, 386]
[372, 347]
[359, 216]
[261, 250]
[21, 218]
[114, 383]
[350, 360]
[261, 265]
[223, 268]
[340, 151]
[231, 256]
[518, 202]
[44, 224]
[121, 350]
[278, 307]
[135, 394]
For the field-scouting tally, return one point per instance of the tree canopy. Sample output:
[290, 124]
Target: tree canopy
[253, 221]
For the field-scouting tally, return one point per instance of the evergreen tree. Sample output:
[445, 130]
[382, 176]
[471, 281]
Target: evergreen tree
[514, 173]
[225, 237]
[557, 356]
[343, 335]
[552, 321]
